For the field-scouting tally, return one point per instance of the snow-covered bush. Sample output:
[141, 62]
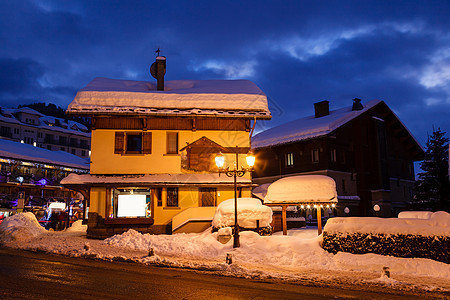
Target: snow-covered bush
[415, 236]
[251, 213]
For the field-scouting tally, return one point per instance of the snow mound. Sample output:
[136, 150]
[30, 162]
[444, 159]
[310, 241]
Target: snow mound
[437, 225]
[306, 188]
[415, 215]
[249, 211]
[77, 226]
[20, 227]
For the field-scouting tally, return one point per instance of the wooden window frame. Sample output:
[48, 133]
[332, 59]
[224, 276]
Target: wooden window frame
[313, 156]
[121, 143]
[126, 220]
[177, 197]
[167, 142]
[200, 190]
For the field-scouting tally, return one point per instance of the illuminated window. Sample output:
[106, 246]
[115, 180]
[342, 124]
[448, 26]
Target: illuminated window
[134, 143]
[289, 159]
[130, 203]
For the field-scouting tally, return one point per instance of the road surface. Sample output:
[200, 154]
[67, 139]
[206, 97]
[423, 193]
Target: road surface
[29, 275]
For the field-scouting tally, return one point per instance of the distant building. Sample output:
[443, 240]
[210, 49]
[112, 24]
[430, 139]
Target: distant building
[28, 126]
[35, 173]
[366, 149]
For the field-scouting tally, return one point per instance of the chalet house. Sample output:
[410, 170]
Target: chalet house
[366, 149]
[153, 150]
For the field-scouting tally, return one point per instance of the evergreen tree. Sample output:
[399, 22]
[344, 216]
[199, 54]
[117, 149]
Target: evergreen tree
[433, 187]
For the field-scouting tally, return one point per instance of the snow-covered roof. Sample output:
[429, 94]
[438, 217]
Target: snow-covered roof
[228, 98]
[29, 111]
[308, 127]
[25, 152]
[153, 179]
[302, 189]
[7, 115]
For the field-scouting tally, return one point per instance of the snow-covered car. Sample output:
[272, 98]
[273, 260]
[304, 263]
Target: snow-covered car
[252, 215]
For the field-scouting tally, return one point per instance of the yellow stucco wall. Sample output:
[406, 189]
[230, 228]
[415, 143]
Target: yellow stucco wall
[187, 197]
[104, 161]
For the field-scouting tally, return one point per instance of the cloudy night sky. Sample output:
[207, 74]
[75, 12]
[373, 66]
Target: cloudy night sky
[297, 52]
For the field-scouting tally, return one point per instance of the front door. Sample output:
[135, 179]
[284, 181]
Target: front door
[207, 196]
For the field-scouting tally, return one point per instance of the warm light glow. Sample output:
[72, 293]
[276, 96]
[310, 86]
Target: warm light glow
[315, 205]
[250, 159]
[333, 205]
[308, 206]
[220, 160]
[302, 206]
[328, 206]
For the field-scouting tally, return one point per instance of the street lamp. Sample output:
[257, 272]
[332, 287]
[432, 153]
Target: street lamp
[235, 172]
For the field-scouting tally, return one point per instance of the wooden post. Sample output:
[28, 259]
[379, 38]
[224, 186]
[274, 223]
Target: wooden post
[319, 219]
[283, 219]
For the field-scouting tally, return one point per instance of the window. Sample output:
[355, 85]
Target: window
[133, 143]
[207, 196]
[130, 203]
[74, 151]
[172, 197]
[158, 196]
[16, 130]
[172, 143]
[49, 147]
[83, 153]
[315, 155]
[289, 159]
[333, 155]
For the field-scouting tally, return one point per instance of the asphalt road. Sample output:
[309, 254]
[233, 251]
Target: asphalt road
[29, 275]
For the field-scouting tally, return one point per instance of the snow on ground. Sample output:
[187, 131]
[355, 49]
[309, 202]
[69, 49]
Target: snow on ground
[295, 257]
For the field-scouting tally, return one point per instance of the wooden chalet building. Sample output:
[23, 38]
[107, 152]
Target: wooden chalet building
[153, 150]
[366, 149]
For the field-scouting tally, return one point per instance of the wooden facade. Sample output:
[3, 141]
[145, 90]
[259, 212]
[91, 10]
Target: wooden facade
[371, 156]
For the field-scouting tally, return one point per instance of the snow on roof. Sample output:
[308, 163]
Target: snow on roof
[309, 127]
[249, 211]
[15, 150]
[29, 110]
[298, 189]
[436, 225]
[8, 117]
[240, 98]
[175, 179]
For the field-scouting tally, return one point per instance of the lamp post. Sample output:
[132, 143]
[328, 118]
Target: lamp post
[235, 172]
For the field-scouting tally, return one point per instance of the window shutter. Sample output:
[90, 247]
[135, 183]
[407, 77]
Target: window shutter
[119, 143]
[147, 143]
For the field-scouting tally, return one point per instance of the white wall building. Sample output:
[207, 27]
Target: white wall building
[28, 126]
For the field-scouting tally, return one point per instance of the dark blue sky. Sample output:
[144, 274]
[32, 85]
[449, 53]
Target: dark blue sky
[298, 52]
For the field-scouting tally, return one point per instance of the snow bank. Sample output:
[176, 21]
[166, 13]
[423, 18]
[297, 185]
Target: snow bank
[20, 227]
[415, 215]
[438, 224]
[249, 211]
[306, 188]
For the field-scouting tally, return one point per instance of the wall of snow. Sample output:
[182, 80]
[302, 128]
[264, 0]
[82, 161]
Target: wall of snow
[424, 235]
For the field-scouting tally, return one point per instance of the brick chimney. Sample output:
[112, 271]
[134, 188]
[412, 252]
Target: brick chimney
[322, 108]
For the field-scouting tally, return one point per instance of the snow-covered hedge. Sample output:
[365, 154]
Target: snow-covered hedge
[251, 213]
[403, 237]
